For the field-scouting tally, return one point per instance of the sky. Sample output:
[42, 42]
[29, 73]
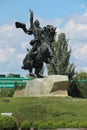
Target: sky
[69, 16]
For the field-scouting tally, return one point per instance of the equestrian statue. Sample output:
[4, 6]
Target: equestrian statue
[42, 49]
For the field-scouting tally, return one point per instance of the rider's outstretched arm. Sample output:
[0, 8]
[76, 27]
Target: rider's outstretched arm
[22, 26]
[30, 30]
[31, 19]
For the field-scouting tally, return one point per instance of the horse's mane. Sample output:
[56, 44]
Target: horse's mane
[49, 35]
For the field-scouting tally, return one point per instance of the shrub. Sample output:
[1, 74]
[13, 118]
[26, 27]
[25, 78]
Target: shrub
[25, 125]
[60, 124]
[51, 125]
[73, 124]
[83, 88]
[43, 125]
[36, 124]
[19, 86]
[8, 123]
[73, 88]
[83, 124]
[5, 92]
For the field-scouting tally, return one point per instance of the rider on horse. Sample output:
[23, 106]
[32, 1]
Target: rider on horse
[41, 46]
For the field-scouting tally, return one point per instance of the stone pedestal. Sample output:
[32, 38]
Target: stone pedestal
[52, 85]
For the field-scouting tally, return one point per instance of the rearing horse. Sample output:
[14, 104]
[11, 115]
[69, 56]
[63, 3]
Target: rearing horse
[44, 53]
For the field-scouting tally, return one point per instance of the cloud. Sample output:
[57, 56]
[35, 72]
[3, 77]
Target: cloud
[5, 54]
[85, 14]
[24, 45]
[20, 57]
[80, 52]
[75, 29]
[84, 69]
[13, 44]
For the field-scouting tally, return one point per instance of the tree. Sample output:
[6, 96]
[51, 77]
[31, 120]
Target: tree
[81, 75]
[11, 75]
[62, 56]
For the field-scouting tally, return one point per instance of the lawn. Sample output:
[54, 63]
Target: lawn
[46, 108]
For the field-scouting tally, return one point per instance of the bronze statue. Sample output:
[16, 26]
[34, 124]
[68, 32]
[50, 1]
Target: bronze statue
[42, 49]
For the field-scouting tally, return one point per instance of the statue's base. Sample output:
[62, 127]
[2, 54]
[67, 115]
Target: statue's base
[52, 85]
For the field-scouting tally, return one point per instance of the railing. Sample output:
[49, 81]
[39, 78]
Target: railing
[82, 81]
[11, 82]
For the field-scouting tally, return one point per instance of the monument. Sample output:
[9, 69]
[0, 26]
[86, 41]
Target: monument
[42, 49]
[41, 52]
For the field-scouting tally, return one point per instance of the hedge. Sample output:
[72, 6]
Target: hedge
[73, 124]
[8, 123]
[25, 125]
[83, 124]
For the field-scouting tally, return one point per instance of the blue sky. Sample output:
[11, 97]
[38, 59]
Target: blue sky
[69, 16]
[46, 9]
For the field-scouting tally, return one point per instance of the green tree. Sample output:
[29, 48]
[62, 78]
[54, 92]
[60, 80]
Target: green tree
[81, 75]
[62, 56]
[11, 75]
[82, 83]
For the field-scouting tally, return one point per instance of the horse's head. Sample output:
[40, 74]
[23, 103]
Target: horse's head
[49, 33]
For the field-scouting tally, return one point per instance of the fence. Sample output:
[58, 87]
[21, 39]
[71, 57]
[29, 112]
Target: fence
[6, 82]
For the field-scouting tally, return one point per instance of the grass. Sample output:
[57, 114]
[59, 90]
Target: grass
[46, 108]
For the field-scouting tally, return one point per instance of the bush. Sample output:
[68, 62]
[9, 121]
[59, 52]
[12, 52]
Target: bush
[25, 125]
[19, 86]
[73, 88]
[44, 125]
[83, 89]
[73, 124]
[6, 92]
[83, 124]
[36, 124]
[60, 124]
[8, 123]
[51, 125]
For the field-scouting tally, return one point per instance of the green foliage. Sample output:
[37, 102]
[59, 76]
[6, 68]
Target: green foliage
[8, 123]
[19, 86]
[25, 125]
[78, 85]
[46, 125]
[9, 92]
[81, 75]
[61, 56]
[62, 53]
[73, 124]
[45, 109]
[70, 71]
[51, 124]
[73, 88]
[36, 124]
[83, 89]
[59, 124]
[83, 124]
[11, 75]
[5, 92]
